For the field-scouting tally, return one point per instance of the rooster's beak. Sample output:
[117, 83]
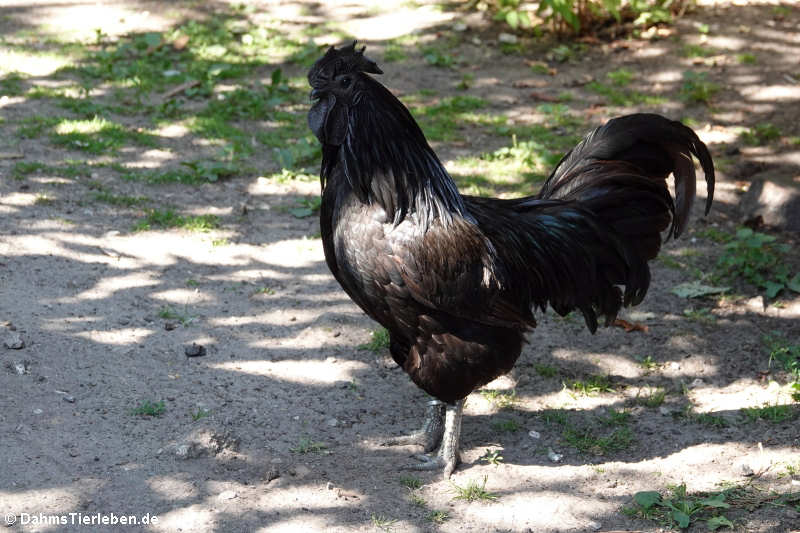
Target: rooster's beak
[315, 93]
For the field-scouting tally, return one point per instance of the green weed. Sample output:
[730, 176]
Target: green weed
[438, 517]
[383, 522]
[410, 482]
[379, 341]
[148, 408]
[473, 492]
[168, 218]
[775, 413]
[759, 260]
[492, 457]
[746, 59]
[499, 399]
[697, 89]
[588, 440]
[591, 386]
[307, 445]
[506, 425]
[760, 134]
[546, 371]
[680, 510]
[200, 413]
[119, 200]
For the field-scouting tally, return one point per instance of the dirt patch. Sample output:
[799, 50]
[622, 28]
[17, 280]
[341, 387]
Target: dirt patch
[278, 425]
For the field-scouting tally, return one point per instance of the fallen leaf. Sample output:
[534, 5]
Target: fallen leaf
[630, 326]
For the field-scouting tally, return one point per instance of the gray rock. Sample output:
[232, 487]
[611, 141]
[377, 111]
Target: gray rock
[773, 198]
[13, 341]
[205, 442]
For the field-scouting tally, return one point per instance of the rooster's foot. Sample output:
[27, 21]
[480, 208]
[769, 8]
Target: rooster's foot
[431, 433]
[447, 457]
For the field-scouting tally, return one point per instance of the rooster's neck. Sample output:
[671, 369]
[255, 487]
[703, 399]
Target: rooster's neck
[386, 160]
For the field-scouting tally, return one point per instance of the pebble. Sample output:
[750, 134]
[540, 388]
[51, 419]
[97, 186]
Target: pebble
[332, 422]
[507, 38]
[697, 383]
[273, 473]
[37, 411]
[459, 26]
[195, 350]
[664, 410]
[534, 434]
[69, 399]
[21, 368]
[553, 456]
[329, 486]
[227, 495]
[14, 342]
[595, 526]
[300, 471]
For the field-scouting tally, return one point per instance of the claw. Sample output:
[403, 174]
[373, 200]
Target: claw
[430, 435]
[447, 458]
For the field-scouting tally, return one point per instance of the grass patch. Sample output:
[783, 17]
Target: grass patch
[379, 341]
[307, 445]
[119, 200]
[472, 491]
[506, 425]
[499, 399]
[788, 356]
[775, 413]
[654, 398]
[382, 522]
[97, 135]
[148, 408]
[168, 218]
[169, 313]
[588, 440]
[761, 134]
[546, 371]
[410, 482]
[697, 89]
[438, 517]
[591, 386]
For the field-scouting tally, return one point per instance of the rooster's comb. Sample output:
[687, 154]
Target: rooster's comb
[344, 60]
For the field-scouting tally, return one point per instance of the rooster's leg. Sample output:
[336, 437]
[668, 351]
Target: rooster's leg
[431, 433]
[447, 457]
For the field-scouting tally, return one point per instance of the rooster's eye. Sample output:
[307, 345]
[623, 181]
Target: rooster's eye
[345, 83]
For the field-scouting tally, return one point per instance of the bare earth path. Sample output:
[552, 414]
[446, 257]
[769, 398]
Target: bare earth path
[277, 425]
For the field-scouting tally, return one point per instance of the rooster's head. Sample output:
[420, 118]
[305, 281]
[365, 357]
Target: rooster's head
[337, 79]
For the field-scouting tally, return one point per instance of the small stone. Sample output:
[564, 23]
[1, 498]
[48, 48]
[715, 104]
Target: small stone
[747, 470]
[69, 399]
[332, 422]
[507, 38]
[534, 434]
[664, 411]
[329, 486]
[227, 495]
[697, 383]
[459, 26]
[276, 460]
[195, 350]
[553, 456]
[273, 473]
[37, 411]
[300, 471]
[14, 342]
[594, 526]
[169, 326]
[21, 368]
[732, 150]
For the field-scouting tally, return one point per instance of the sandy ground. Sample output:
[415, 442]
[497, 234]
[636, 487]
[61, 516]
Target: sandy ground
[278, 426]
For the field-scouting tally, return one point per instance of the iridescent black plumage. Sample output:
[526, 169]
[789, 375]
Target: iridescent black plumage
[454, 278]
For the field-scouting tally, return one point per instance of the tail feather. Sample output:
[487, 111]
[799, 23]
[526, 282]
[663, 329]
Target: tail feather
[651, 147]
[599, 218]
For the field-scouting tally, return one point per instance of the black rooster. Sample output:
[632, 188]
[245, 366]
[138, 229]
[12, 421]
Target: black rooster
[453, 278]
